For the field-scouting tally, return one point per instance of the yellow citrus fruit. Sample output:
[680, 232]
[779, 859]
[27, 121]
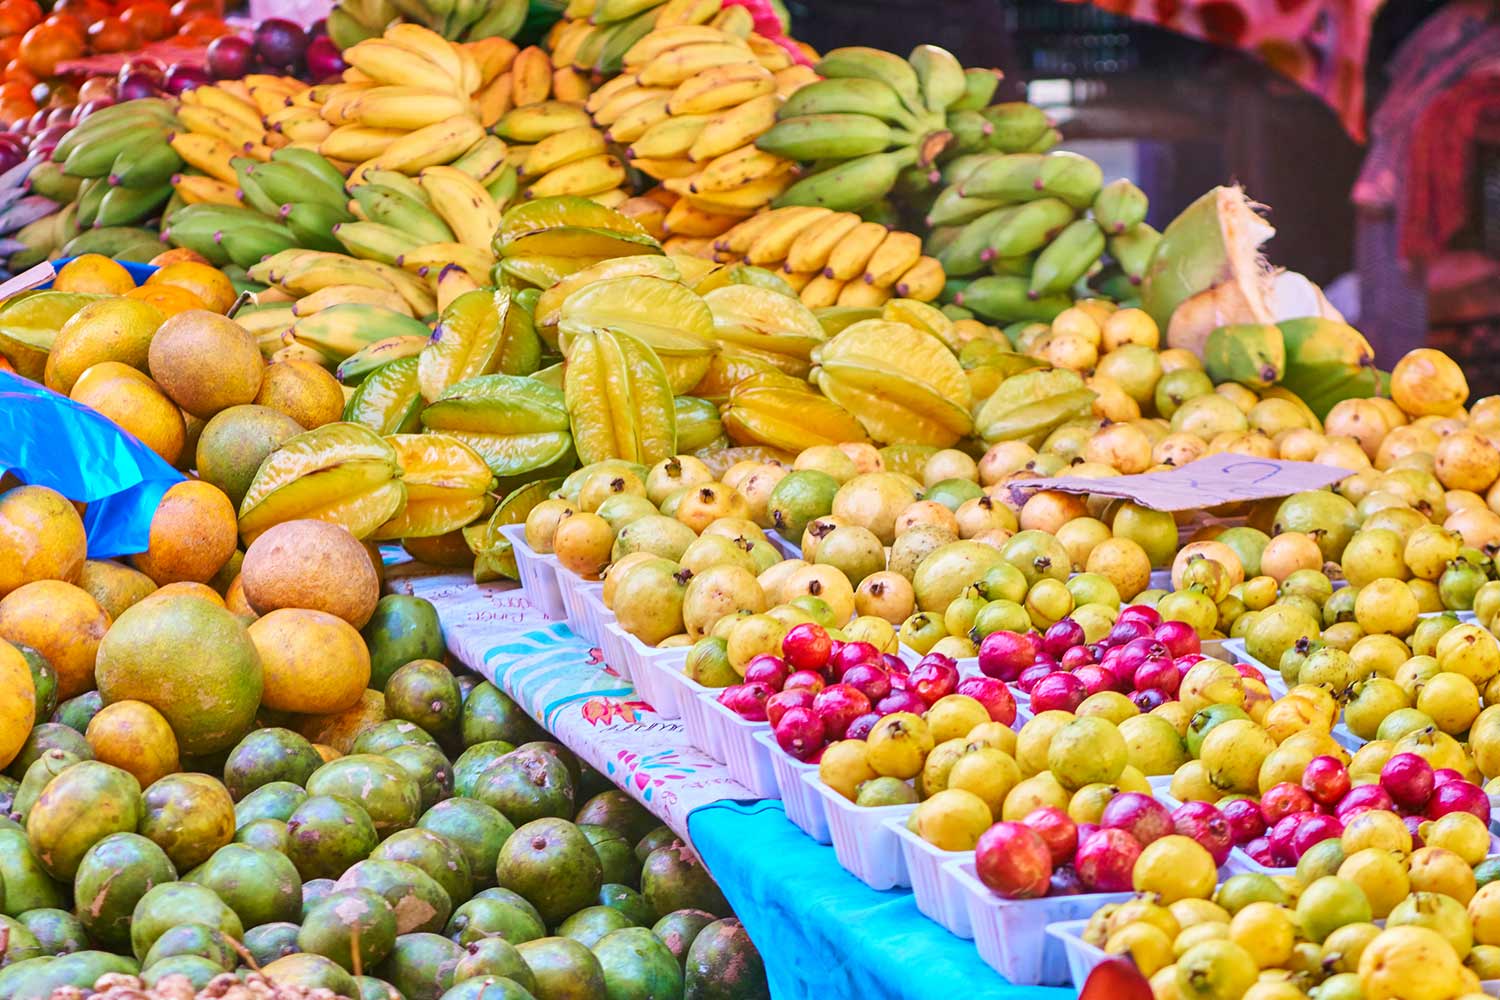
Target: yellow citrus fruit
[193, 533]
[175, 255]
[117, 329]
[134, 737]
[17, 702]
[203, 280]
[187, 588]
[63, 623]
[313, 662]
[170, 299]
[137, 404]
[94, 273]
[41, 538]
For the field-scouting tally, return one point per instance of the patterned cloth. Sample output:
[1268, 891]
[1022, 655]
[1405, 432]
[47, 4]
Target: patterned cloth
[564, 683]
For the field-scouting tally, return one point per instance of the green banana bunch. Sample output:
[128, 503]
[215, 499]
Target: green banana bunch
[1005, 299]
[91, 149]
[227, 234]
[1133, 249]
[353, 21]
[1065, 260]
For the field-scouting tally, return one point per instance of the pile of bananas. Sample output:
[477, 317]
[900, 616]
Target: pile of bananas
[352, 21]
[528, 78]
[1036, 225]
[123, 161]
[443, 217]
[691, 102]
[834, 258]
[876, 119]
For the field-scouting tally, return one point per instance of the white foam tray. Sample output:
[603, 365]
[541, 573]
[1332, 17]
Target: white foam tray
[749, 760]
[804, 806]
[924, 865]
[538, 573]
[865, 846]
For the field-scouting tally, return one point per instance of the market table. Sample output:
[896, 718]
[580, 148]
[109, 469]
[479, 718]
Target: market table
[821, 931]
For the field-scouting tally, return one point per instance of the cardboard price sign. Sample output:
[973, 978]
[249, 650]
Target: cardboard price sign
[1208, 482]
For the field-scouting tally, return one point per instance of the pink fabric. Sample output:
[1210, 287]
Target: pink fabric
[1440, 174]
[768, 25]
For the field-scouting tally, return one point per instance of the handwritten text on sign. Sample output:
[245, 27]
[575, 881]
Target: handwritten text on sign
[1208, 482]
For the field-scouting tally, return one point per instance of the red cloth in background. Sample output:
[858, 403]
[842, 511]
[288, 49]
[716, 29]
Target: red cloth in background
[1441, 168]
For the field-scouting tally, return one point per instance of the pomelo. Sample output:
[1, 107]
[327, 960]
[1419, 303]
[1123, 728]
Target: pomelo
[63, 623]
[41, 538]
[310, 564]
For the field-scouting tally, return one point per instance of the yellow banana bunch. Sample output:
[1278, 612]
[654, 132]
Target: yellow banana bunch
[834, 258]
[529, 78]
[694, 95]
[229, 112]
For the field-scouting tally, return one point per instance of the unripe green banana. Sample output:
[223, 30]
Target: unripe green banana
[250, 190]
[971, 131]
[875, 64]
[958, 169]
[1019, 267]
[1133, 250]
[952, 208]
[123, 206]
[854, 95]
[1008, 299]
[1045, 142]
[840, 136]
[1067, 258]
[1016, 126]
[851, 185]
[940, 74]
[1030, 227]
[1073, 178]
[971, 248]
[1009, 177]
[1118, 206]
[979, 88]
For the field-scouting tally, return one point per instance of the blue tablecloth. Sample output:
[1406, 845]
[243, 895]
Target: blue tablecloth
[823, 933]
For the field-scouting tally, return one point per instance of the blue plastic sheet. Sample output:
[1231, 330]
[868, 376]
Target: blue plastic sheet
[825, 934]
[49, 440]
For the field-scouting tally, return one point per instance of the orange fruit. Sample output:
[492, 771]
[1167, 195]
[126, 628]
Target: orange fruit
[302, 390]
[41, 538]
[17, 702]
[63, 623]
[310, 564]
[188, 588]
[205, 362]
[136, 403]
[17, 71]
[234, 599]
[313, 662]
[203, 280]
[175, 255]
[66, 22]
[134, 737]
[203, 28]
[45, 45]
[113, 329]
[115, 586]
[151, 19]
[110, 34]
[170, 299]
[193, 533]
[339, 730]
[94, 273]
[28, 12]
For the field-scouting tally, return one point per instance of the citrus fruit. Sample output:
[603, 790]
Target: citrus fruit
[136, 403]
[193, 533]
[63, 623]
[205, 362]
[203, 280]
[302, 390]
[313, 662]
[136, 738]
[116, 329]
[314, 565]
[41, 538]
[169, 299]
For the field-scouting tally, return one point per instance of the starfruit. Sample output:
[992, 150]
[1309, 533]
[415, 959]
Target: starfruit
[782, 412]
[727, 370]
[480, 333]
[893, 376]
[771, 327]
[618, 399]
[569, 227]
[389, 400]
[493, 557]
[549, 306]
[340, 472]
[743, 274]
[516, 424]
[836, 319]
[698, 422]
[907, 459]
[925, 317]
[539, 271]
[447, 486]
[671, 320]
[29, 323]
[1029, 406]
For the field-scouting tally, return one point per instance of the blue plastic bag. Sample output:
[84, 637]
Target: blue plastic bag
[49, 440]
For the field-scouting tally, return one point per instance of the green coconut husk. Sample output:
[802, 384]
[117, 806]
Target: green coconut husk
[1208, 270]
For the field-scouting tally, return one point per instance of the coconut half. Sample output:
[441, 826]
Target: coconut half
[1208, 270]
[1295, 296]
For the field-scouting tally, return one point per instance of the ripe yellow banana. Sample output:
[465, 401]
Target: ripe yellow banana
[848, 259]
[568, 84]
[633, 124]
[470, 80]
[588, 176]
[384, 61]
[721, 87]
[210, 121]
[858, 293]
[810, 250]
[495, 100]
[299, 124]
[735, 127]
[406, 108]
[311, 270]
[736, 243]
[664, 39]
[442, 142]
[359, 142]
[495, 55]
[570, 35]
[735, 20]
[770, 246]
[670, 137]
[207, 153]
[923, 280]
[613, 108]
[793, 79]
[687, 219]
[452, 282]
[413, 289]
[463, 203]
[531, 77]
[429, 45]
[893, 258]
[199, 190]
[771, 55]
[220, 99]
[562, 148]
[739, 167]
[484, 160]
[798, 280]
[821, 292]
[430, 259]
[675, 65]
[334, 295]
[374, 241]
[680, 12]
[607, 90]
[663, 170]
[747, 198]
[336, 109]
[535, 122]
